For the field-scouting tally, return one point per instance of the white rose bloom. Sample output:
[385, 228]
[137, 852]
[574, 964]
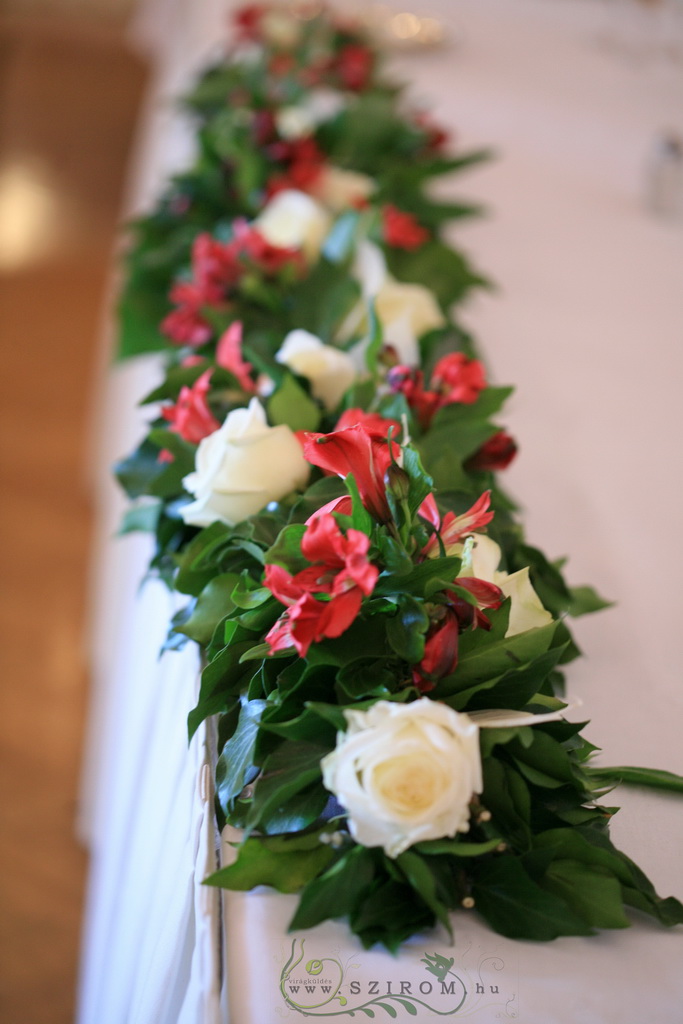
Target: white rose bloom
[292, 220]
[280, 28]
[339, 189]
[406, 311]
[241, 467]
[526, 610]
[405, 773]
[294, 122]
[330, 371]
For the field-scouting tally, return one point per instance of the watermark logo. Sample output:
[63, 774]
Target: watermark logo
[413, 987]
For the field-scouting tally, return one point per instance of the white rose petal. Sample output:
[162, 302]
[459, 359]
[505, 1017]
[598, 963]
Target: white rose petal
[241, 467]
[339, 189]
[330, 371]
[405, 311]
[396, 299]
[292, 220]
[280, 29]
[526, 610]
[294, 122]
[405, 773]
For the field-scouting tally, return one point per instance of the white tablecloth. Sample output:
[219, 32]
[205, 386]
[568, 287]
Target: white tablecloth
[587, 325]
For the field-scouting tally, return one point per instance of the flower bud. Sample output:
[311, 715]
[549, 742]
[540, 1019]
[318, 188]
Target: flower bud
[397, 482]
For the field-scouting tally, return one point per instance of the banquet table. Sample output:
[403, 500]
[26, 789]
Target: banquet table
[585, 321]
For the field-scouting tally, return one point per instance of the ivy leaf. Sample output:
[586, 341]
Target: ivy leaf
[285, 869]
[237, 756]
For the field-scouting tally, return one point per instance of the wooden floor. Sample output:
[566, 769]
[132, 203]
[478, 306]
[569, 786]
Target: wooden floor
[68, 99]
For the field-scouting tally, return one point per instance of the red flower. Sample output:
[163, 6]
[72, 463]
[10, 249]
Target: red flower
[269, 258]
[452, 529]
[458, 378]
[441, 643]
[341, 574]
[303, 162]
[186, 325]
[441, 651]
[401, 230]
[354, 65]
[496, 453]
[247, 20]
[355, 450]
[190, 416]
[229, 357]
[410, 383]
[376, 425]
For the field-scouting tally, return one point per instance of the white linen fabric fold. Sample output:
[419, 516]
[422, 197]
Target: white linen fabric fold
[588, 329]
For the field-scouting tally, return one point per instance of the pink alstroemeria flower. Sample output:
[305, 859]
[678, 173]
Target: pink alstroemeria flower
[453, 529]
[340, 574]
[190, 416]
[355, 450]
[229, 357]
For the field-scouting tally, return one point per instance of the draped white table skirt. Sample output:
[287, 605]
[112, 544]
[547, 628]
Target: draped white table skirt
[588, 327]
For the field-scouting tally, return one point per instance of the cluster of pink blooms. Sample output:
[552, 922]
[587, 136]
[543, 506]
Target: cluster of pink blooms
[455, 379]
[216, 268]
[325, 598]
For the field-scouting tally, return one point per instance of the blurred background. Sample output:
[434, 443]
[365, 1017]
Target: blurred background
[70, 87]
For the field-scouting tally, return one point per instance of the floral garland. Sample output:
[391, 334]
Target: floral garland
[383, 649]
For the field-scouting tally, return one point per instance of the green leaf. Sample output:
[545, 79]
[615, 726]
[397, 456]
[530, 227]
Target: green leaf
[293, 406]
[654, 778]
[142, 518]
[213, 604]
[516, 907]
[338, 891]
[483, 656]
[426, 579]
[406, 630]
[291, 768]
[456, 847]
[419, 874]
[259, 864]
[594, 895]
[237, 756]
[585, 600]
[286, 551]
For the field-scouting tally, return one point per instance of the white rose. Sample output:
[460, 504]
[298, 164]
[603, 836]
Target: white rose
[280, 29]
[405, 773]
[294, 122]
[292, 220]
[405, 311]
[241, 467]
[339, 189]
[526, 611]
[329, 370]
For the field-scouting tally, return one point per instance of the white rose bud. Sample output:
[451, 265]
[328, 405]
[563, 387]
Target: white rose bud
[405, 773]
[242, 467]
[329, 370]
[292, 220]
[526, 610]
